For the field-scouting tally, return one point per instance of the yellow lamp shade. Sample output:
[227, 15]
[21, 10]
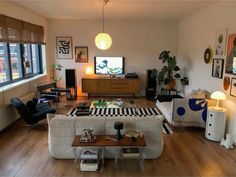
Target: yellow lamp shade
[218, 95]
[89, 70]
[103, 41]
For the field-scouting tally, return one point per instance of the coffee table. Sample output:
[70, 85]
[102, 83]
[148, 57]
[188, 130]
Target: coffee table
[118, 103]
[102, 141]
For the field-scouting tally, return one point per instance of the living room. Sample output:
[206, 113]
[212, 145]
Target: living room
[140, 31]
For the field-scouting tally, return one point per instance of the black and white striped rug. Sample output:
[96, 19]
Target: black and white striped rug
[135, 112]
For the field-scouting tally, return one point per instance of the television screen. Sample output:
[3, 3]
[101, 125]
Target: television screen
[109, 65]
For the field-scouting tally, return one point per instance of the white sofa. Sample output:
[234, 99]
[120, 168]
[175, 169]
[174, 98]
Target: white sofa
[184, 111]
[62, 130]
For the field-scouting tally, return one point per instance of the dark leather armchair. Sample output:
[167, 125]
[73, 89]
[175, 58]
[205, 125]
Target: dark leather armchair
[32, 113]
[50, 91]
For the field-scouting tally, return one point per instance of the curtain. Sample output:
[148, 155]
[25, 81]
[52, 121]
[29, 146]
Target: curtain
[18, 31]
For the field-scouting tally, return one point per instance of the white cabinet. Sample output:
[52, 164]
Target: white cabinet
[215, 124]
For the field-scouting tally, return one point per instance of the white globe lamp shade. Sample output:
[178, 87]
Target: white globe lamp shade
[103, 41]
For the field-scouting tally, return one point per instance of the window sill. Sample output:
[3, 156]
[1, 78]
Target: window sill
[16, 84]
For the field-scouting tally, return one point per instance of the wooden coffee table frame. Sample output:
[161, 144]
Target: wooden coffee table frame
[102, 142]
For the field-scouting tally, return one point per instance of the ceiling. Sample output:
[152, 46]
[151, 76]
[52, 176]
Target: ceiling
[115, 9]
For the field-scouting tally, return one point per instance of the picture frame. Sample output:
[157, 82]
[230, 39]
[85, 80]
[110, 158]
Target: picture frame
[81, 54]
[208, 55]
[233, 87]
[64, 48]
[217, 68]
[220, 43]
[230, 66]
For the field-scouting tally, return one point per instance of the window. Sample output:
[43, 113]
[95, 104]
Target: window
[15, 59]
[35, 55]
[4, 65]
[21, 49]
[27, 59]
[19, 61]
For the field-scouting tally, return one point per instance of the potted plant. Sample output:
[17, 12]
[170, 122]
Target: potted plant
[169, 72]
[53, 68]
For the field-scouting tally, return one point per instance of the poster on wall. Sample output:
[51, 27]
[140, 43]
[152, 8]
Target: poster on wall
[217, 68]
[233, 87]
[231, 55]
[220, 43]
[81, 54]
[64, 47]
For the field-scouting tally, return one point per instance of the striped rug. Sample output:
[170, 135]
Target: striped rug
[134, 112]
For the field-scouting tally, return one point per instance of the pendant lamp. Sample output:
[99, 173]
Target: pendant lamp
[103, 40]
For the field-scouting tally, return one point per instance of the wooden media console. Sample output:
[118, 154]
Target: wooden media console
[97, 85]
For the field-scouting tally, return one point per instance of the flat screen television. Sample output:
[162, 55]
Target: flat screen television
[109, 65]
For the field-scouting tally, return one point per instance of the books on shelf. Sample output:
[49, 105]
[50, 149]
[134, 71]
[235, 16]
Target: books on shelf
[89, 165]
[130, 152]
[89, 154]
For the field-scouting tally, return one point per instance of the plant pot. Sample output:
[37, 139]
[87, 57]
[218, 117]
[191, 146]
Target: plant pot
[170, 85]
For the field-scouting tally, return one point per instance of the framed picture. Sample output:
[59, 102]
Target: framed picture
[217, 68]
[81, 54]
[64, 47]
[231, 57]
[208, 54]
[226, 82]
[220, 43]
[233, 87]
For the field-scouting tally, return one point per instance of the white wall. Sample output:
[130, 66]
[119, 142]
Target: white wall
[139, 41]
[196, 33]
[7, 115]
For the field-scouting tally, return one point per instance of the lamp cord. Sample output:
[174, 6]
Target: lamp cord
[103, 14]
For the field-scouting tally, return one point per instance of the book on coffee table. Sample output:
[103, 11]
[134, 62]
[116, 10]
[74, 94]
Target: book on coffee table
[89, 154]
[130, 152]
[89, 165]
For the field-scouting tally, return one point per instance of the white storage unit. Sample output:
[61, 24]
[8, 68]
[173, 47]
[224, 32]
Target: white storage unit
[215, 124]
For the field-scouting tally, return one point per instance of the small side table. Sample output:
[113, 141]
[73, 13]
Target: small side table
[102, 142]
[215, 124]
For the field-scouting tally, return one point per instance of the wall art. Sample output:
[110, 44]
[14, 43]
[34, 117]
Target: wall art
[208, 54]
[81, 54]
[233, 87]
[226, 82]
[231, 55]
[220, 43]
[64, 47]
[217, 68]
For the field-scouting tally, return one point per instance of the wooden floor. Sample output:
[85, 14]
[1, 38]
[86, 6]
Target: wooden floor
[186, 153]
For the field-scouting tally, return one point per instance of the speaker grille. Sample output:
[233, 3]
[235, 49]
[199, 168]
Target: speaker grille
[70, 78]
[151, 81]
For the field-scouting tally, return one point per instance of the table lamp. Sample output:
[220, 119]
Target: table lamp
[118, 126]
[218, 95]
[89, 70]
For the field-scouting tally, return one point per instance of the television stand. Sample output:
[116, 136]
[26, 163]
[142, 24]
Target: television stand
[114, 86]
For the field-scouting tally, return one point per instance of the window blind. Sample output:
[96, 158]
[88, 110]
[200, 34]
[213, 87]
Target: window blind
[18, 31]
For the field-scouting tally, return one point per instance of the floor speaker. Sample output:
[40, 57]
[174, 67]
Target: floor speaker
[70, 78]
[151, 81]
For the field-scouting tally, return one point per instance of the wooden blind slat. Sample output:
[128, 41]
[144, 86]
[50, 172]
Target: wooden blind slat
[12, 29]
[14, 23]
[2, 21]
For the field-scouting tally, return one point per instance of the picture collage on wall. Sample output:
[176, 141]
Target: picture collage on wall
[64, 50]
[223, 49]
